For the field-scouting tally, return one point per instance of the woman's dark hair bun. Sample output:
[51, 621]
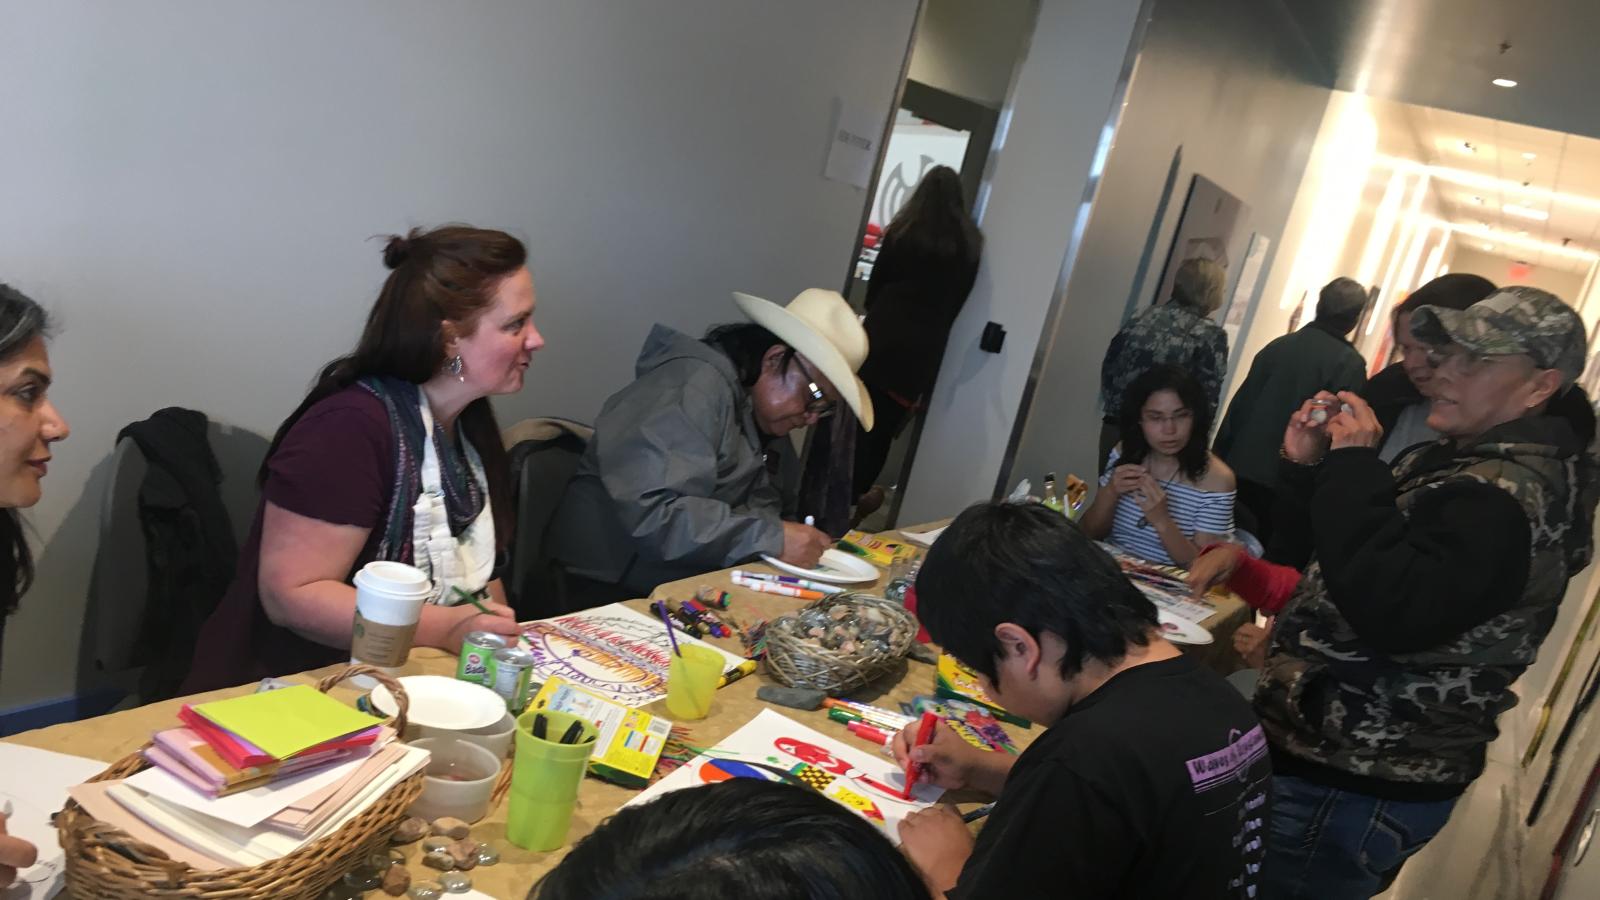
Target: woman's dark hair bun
[396, 251]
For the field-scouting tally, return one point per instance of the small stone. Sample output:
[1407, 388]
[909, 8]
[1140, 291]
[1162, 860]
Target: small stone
[411, 829]
[362, 879]
[439, 859]
[924, 654]
[396, 881]
[487, 855]
[455, 883]
[436, 842]
[451, 827]
[380, 861]
[794, 698]
[426, 890]
[340, 891]
[465, 854]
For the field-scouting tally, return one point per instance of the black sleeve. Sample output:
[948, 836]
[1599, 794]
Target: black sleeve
[1408, 583]
[885, 269]
[1056, 833]
[1291, 541]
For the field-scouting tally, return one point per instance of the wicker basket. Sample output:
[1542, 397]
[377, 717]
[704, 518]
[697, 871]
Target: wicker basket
[795, 657]
[103, 863]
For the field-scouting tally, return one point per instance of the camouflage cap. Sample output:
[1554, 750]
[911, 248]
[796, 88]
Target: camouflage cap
[1512, 320]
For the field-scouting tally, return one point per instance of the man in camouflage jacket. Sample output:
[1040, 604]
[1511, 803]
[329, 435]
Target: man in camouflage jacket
[1430, 589]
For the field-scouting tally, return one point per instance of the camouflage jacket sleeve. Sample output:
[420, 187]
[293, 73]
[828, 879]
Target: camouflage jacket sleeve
[1211, 365]
[1404, 582]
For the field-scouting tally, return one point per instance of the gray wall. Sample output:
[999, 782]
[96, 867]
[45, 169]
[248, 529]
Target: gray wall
[1228, 84]
[1062, 99]
[191, 187]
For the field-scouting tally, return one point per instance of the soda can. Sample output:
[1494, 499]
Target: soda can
[477, 656]
[513, 668]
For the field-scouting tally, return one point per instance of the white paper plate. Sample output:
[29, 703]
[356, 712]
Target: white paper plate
[837, 567]
[1181, 631]
[445, 703]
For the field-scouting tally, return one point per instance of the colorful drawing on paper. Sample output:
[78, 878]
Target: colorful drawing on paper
[612, 651]
[772, 747]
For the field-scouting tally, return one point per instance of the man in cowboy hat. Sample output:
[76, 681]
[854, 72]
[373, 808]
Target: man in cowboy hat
[680, 478]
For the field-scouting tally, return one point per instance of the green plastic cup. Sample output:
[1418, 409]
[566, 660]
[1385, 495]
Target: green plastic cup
[692, 678]
[545, 774]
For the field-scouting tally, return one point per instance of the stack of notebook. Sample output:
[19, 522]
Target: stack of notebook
[254, 778]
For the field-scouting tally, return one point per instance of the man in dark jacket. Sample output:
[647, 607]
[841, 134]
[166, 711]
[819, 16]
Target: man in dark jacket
[1318, 357]
[1399, 394]
[1430, 588]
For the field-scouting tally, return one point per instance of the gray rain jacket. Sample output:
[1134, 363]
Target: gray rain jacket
[675, 481]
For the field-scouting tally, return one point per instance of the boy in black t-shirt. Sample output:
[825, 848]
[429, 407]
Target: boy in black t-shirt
[1151, 778]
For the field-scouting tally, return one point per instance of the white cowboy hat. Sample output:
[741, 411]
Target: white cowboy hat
[823, 328]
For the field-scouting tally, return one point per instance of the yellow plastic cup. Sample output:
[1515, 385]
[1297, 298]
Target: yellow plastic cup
[692, 681]
[545, 774]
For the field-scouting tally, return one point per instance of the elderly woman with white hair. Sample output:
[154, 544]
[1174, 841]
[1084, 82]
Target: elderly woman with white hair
[1177, 333]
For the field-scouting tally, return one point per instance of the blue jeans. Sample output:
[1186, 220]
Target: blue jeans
[1328, 844]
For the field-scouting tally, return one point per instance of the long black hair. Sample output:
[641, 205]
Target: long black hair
[745, 838]
[935, 221]
[1195, 457]
[447, 274]
[21, 321]
[744, 344]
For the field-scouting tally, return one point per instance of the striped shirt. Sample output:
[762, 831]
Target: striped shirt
[1195, 511]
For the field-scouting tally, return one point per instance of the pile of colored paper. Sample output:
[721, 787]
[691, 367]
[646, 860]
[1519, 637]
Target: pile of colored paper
[254, 778]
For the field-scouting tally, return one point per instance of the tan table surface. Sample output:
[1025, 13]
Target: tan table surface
[116, 735]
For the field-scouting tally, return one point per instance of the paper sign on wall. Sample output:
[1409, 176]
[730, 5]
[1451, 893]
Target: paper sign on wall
[854, 149]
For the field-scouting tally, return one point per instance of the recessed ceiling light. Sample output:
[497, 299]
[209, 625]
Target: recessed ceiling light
[1525, 212]
[1523, 232]
[1488, 246]
[1530, 156]
[1504, 82]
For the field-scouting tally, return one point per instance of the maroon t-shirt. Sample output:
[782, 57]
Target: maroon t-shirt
[335, 464]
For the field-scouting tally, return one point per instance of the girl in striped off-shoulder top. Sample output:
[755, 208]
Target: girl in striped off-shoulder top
[1164, 494]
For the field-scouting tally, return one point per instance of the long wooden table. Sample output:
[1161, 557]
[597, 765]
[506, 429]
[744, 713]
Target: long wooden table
[114, 736]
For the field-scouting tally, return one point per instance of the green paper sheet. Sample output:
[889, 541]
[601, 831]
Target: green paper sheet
[288, 720]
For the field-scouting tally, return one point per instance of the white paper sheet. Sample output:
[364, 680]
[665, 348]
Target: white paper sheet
[854, 148]
[246, 809]
[925, 538]
[35, 783]
[246, 846]
[773, 746]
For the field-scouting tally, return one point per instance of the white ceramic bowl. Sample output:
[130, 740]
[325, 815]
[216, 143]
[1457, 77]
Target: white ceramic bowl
[464, 793]
[494, 738]
[442, 703]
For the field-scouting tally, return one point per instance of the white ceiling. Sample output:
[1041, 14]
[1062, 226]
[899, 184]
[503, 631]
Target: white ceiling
[1562, 163]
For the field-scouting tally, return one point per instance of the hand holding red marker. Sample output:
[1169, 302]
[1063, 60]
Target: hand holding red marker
[930, 721]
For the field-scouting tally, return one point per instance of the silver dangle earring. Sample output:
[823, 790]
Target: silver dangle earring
[457, 368]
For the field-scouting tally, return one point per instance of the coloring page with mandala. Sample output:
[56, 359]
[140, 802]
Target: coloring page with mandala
[773, 747]
[613, 651]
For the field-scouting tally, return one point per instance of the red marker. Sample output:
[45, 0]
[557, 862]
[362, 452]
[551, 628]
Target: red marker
[930, 721]
[867, 732]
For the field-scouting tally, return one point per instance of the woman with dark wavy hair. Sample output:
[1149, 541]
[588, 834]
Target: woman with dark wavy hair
[29, 424]
[394, 455]
[1164, 494]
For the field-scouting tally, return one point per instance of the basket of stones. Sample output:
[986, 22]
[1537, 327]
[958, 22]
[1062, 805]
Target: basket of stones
[839, 643]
